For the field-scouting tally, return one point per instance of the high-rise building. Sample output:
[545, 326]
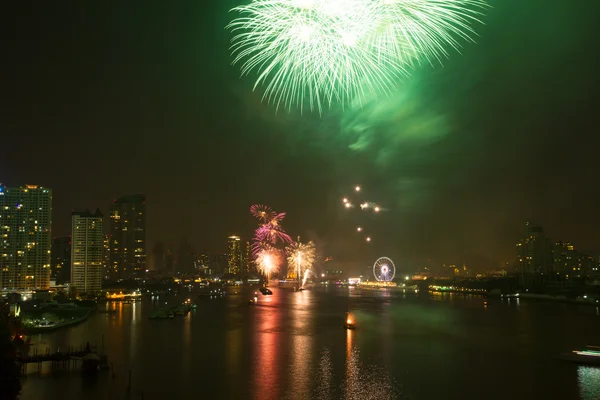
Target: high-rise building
[217, 263]
[534, 256]
[566, 259]
[186, 258]
[106, 255]
[61, 259]
[249, 267]
[158, 257]
[128, 236]
[87, 251]
[170, 260]
[571, 263]
[204, 265]
[234, 255]
[25, 237]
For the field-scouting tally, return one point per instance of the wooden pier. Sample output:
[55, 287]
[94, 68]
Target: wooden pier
[66, 360]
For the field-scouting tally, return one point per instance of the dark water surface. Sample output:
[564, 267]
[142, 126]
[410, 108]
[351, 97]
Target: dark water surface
[292, 346]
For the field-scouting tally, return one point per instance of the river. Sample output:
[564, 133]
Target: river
[292, 345]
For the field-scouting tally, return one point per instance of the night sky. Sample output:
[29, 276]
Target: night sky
[105, 99]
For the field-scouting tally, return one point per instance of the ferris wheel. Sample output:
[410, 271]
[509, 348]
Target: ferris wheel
[384, 269]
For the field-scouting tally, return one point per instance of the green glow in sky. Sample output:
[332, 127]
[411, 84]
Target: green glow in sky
[318, 53]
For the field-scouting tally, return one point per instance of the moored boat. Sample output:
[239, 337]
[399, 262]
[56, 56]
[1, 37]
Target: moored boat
[589, 355]
[161, 313]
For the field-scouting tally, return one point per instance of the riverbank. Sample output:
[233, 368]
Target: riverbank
[558, 299]
[51, 319]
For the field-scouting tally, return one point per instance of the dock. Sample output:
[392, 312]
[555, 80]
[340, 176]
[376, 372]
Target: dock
[65, 360]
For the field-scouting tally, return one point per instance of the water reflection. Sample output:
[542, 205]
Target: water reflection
[292, 345]
[325, 376]
[120, 313]
[187, 351]
[589, 382]
[301, 346]
[365, 381]
[233, 350]
[351, 367]
[129, 313]
[265, 380]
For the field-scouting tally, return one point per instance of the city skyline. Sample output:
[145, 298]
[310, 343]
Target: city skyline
[244, 260]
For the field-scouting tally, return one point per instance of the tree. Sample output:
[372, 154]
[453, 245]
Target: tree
[9, 371]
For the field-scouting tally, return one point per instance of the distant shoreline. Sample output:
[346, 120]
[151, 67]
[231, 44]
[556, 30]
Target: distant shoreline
[556, 299]
[68, 323]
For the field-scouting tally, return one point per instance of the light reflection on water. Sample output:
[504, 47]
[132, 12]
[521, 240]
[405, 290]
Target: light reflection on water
[589, 382]
[265, 382]
[301, 346]
[293, 345]
[325, 376]
[365, 381]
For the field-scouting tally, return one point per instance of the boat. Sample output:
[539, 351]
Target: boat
[254, 300]
[265, 291]
[190, 306]
[161, 313]
[349, 324]
[589, 355]
[181, 310]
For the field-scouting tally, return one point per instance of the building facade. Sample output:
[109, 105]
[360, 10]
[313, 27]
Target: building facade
[551, 267]
[249, 265]
[61, 259]
[534, 256]
[158, 257]
[186, 258]
[128, 237]
[106, 255]
[571, 263]
[25, 237]
[87, 251]
[234, 255]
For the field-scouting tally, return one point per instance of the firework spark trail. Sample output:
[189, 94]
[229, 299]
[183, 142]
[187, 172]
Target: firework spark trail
[301, 258]
[365, 206]
[267, 236]
[306, 274]
[267, 262]
[263, 213]
[317, 52]
[270, 233]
